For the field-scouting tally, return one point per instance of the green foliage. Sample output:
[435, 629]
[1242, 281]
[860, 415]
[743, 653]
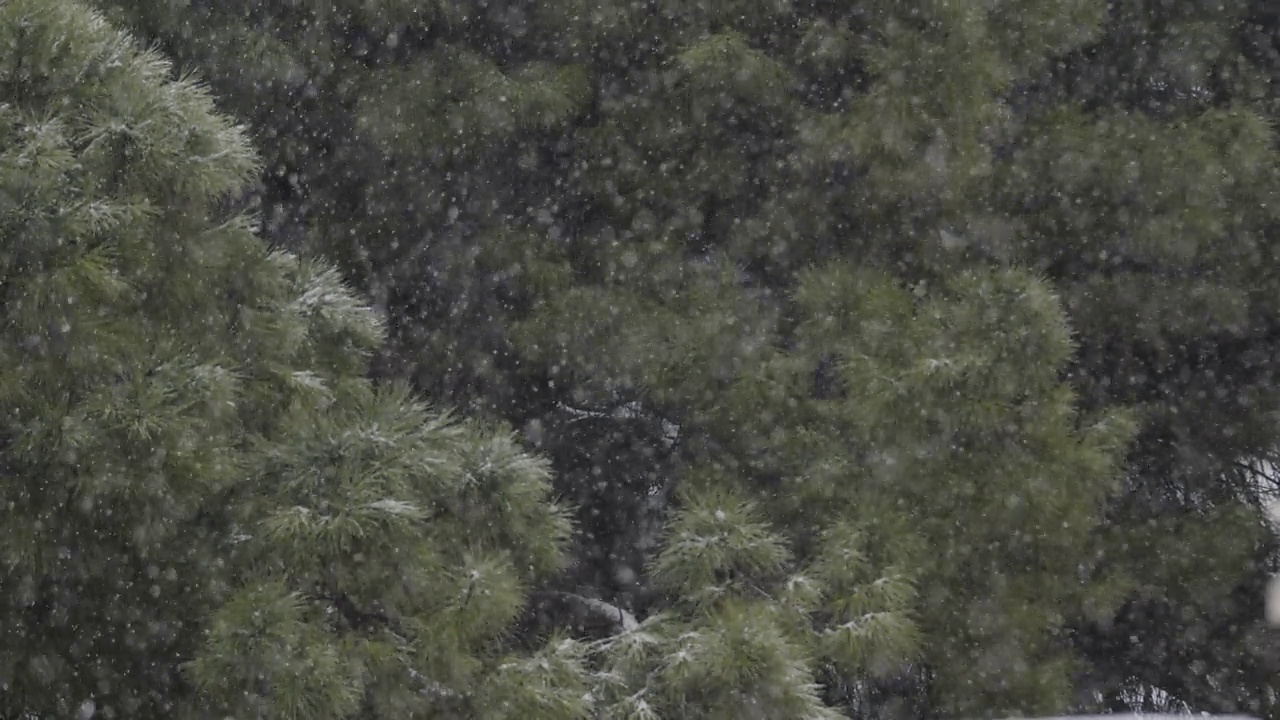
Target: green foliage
[911, 275]
[744, 634]
[209, 510]
[306, 671]
[401, 109]
[551, 685]
[949, 439]
[717, 547]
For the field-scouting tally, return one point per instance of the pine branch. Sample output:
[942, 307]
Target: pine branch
[431, 688]
[358, 619]
[590, 615]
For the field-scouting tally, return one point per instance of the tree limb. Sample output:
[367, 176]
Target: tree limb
[589, 615]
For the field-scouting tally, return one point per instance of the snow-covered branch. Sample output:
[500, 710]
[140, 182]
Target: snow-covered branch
[588, 613]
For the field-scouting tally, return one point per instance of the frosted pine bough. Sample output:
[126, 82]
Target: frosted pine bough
[207, 506]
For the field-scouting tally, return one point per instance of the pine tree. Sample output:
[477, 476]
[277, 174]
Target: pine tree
[208, 510]
[597, 220]
[1145, 178]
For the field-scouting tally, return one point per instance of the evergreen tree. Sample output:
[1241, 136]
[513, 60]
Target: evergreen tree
[599, 220]
[1144, 179]
[208, 510]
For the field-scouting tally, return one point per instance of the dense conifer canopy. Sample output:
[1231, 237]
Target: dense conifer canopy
[208, 510]
[900, 358]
